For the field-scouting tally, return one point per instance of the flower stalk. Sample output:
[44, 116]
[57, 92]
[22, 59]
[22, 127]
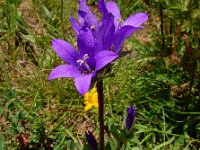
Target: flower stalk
[101, 112]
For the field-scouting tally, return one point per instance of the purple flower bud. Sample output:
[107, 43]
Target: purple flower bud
[130, 117]
[91, 140]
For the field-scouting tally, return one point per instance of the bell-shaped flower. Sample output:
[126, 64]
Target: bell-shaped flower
[82, 65]
[123, 29]
[130, 117]
[111, 7]
[91, 140]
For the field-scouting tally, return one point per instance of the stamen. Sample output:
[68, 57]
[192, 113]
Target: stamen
[92, 27]
[83, 62]
[112, 46]
[85, 57]
[121, 22]
[88, 67]
[80, 61]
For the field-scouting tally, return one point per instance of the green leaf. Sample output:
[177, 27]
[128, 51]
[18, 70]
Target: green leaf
[29, 38]
[2, 142]
[47, 12]
[164, 144]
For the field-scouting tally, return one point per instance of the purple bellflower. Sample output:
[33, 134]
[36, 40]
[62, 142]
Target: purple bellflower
[81, 65]
[130, 117]
[111, 7]
[91, 140]
[99, 43]
[123, 29]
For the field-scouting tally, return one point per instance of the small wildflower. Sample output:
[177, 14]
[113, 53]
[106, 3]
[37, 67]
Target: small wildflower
[91, 99]
[130, 117]
[91, 140]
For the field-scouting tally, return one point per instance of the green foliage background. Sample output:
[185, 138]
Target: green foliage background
[161, 77]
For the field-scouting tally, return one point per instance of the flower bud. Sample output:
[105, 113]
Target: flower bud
[91, 140]
[130, 117]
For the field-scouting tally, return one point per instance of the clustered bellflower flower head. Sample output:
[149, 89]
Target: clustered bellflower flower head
[98, 42]
[130, 117]
[91, 140]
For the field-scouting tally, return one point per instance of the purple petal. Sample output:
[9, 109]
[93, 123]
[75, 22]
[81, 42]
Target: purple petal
[65, 51]
[103, 58]
[82, 83]
[106, 33]
[75, 24]
[114, 9]
[64, 71]
[92, 20]
[89, 18]
[121, 35]
[85, 42]
[81, 16]
[83, 6]
[136, 20]
[102, 7]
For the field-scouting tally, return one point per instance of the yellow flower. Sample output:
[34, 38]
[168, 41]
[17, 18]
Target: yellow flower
[91, 99]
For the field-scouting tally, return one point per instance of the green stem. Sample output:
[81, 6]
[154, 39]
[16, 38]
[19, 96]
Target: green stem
[183, 113]
[101, 110]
